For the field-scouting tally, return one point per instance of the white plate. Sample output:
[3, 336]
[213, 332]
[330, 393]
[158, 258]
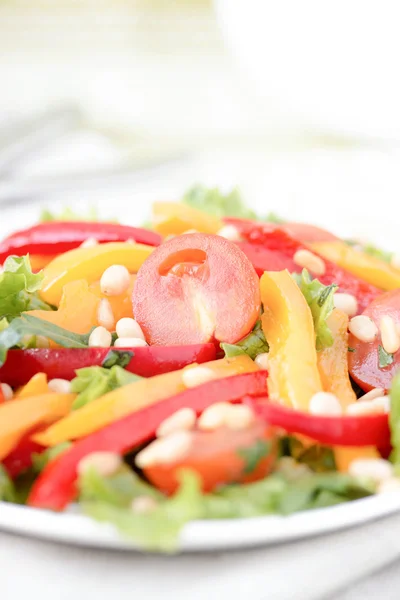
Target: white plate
[79, 530]
[305, 177]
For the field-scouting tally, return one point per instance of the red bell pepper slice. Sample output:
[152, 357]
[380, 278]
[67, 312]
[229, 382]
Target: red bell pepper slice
[56, 237]
[55, 487]
[362, 430]
[271, 238]
[20, 459]
[2, 399]
[62, 363]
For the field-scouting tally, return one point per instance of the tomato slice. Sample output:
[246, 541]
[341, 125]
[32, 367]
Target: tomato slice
[302, 232]
[196, 288]
[364, 357]
[220, 457]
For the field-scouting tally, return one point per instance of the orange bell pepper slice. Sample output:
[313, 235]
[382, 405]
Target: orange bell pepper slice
[369, 268]
[121, 305]
[37, 385]
[293, 376]
[40, 261]
[89, 264]
[344, 455]
[174, 218]
[77, 311]
[332, 361]
[18, 418]
[131, 398]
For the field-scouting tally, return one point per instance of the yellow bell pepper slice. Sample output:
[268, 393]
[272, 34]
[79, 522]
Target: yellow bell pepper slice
[369, 268]
[293, 376]
[89, 264]
[20, 417]
[121, 305]
[131, 398]
[174, 218]
[77, 311]
[332, 361]
[37, 385]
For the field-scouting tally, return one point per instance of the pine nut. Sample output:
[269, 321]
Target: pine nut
[308, 260]
[363, 328]
[364, 408]
[196, 376]
[7, 391]
[377, 469]
[372, 394]
[129, 343]
[239, 417]
[383, 402]
[230, 232]
[169, 449]
[89, 243]
[105, 463]
[347, 303]
[105, 315]
[182, 419]
[325, 404]
[389, 334]
[261, 361]
[214, 416]
[129, 328]
[59, 386]
[100, 338]
[115, 280]
[144, 504]
[389, 486]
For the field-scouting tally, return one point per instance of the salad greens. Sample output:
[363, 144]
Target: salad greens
[252, 345]
[19, 287]
[67, 214]
[41, 460]
[394, 419]
[320, 300]
[92, 382]
[7, 490]
[372, 250]
[385, 358]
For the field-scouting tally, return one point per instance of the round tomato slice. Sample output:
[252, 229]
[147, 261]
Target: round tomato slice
[364, 358]
[220, 457]
[196, 288]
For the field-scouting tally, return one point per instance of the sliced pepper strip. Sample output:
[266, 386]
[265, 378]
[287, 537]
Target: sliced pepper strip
[61, 363]
[18, 418]
[332, 361]
[131, 398]
[57, 237]
[277, 240]
[289, 329]
[21, 457]
[90, 264]
[55, 487]
[363, 430]
[35, 385]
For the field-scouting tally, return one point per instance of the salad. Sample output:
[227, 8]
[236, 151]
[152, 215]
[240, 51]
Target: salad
[215, 364]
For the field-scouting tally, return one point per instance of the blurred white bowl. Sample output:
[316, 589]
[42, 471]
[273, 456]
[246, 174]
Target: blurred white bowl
[327, 65]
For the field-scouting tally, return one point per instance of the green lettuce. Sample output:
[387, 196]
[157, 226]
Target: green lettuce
[214, 202]
[372, 250]
[93, 382]
[41, 460]
[7, 490]
[252, 345]
[28, 325]
[394, 419]
[320, 300]
[19, 287]
[67, 214]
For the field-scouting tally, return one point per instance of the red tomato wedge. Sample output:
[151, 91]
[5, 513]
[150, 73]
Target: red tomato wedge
[364, 357]
[196, 288]
[61, 363]
[220, 457]
[302, 232]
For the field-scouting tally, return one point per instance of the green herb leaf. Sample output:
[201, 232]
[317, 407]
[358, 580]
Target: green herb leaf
[254, 455]
[320, 300]
[41, 460]
[19, 287]
[385, 358]
[93, 382]
[157, 530]
[350, 349]
[28, 325]
[252, 345]
[7, 490]
[120, 358]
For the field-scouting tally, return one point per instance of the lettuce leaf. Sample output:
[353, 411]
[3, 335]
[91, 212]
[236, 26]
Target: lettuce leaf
[28, 325]
[93, 382]
[19, 287]
[7, 490]
[394, 419]
[67, 214]
[319, 298]
[41, 460]
[252, 345]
